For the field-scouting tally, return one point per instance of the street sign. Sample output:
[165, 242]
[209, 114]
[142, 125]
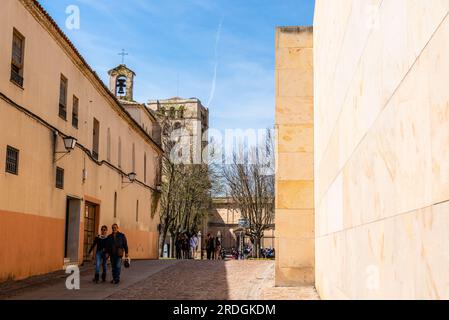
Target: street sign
[243, 223]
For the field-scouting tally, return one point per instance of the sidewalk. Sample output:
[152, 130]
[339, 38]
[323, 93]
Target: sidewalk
[53, 288]
[167, 279]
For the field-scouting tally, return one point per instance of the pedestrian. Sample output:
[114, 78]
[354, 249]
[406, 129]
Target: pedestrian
[217, 248]
[100, 257]
[117, 246]
[193, 246]
[178, 247]
[185, 246]
[210, 246]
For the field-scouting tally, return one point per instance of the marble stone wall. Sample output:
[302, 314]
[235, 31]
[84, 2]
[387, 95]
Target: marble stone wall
[381, 149]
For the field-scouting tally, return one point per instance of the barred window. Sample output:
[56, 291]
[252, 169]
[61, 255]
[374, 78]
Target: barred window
[18, 46]
[59, 178]
[63, 98]
[12, 160]
[75, 112]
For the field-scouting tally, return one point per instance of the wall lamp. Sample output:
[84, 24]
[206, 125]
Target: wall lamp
[69, 144]
[131, 177]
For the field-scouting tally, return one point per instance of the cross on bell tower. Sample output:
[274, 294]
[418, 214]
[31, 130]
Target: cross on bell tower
[123, 54]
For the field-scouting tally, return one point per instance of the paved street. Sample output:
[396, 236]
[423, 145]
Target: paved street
[171, 279]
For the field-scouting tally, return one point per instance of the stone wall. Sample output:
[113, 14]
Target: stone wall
[381, 149]
[294, 157]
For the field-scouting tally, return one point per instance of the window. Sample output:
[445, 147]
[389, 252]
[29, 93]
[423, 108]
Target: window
[108, 145]
[96, 139]
[75, 112]
[63, 98]
[119, 152]
[145, 168]
[18, 51]
[59, 178]
[137, 211]
[12, 160]
[134, 158]
[115, 204]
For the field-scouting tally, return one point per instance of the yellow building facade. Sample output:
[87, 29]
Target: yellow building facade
[53, 202]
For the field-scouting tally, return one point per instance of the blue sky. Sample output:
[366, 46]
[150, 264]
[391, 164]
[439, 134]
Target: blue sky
[223, 51]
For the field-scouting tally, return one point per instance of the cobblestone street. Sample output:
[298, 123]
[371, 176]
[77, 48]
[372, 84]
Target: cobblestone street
[172, 279]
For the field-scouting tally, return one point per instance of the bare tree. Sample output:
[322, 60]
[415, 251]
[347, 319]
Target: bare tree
[250, 182]
[185, 196]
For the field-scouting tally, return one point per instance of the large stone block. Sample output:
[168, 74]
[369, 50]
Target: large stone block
[294, 166]
[295, 138]
[299, 224]
[296, 252]
[295, 195]
[294, 83]
[300, 59]
[294, 110]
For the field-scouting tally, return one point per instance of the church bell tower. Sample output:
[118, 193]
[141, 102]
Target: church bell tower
[121, 82]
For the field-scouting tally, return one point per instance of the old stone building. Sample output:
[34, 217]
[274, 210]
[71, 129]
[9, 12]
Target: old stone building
[191, 118]
[223, 222]
[74, 156]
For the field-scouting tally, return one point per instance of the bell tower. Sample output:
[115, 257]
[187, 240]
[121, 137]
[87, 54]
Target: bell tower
[121, 82]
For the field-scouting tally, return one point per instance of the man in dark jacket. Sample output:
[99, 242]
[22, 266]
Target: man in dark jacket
[210, 247]
[117, 246]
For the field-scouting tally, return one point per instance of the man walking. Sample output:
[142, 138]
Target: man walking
[210, 247]
[117, 246]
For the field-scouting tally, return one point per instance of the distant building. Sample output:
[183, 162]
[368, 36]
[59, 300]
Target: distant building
[223, 222]
[73, 156]
[189, 115]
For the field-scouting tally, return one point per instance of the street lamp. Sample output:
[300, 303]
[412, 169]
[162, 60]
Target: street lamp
[69, 145]
[131, 177]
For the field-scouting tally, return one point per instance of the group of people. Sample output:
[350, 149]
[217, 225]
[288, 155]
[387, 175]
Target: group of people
[186, 246]
[113, 246]
[213, 248]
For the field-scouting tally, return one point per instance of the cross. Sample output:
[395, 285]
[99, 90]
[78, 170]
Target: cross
[123, 54]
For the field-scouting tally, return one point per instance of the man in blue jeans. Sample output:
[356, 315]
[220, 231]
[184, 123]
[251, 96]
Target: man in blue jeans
[100, 254]
[117, 246]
